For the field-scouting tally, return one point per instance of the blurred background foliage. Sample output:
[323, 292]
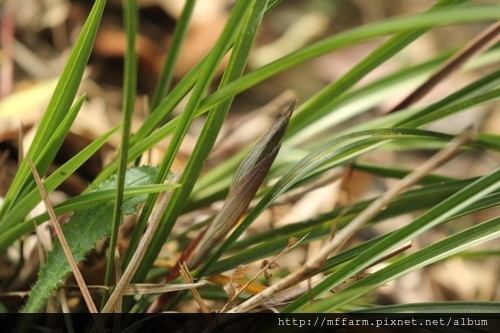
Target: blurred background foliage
[37, 36]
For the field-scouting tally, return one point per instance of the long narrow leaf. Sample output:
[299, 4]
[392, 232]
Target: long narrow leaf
[77, 203]
[213, 60]
[454, 204]
[60, 102]
[31, 199]
[463, 240]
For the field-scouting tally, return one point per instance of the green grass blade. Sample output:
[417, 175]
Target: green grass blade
[274, 241]
[463, 240]
[447, 208]
[50, 150]
[174, 50]
[160, 113]
[79, 202]
[398, 173]
[206, 75]
[352, 37]
[30, 200]
[365, 98]
[466, 97]
[131, 21]
[145, 138]
[315, 107]
[214, 122]
[435, 112]
[59, 104]
[437, 307]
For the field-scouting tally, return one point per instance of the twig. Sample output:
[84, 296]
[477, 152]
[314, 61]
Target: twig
[189, 279]
[132, 267]
[64, 243]
[364, 217]
[118, 276]
[291, 294]
[482, 42]
[146, 288]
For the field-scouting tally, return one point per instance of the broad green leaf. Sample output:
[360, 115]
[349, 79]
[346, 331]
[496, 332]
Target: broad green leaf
[86, 227]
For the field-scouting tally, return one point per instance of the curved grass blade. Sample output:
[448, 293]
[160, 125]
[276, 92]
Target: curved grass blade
[186, 118]
[370, 95]
[437, 307]
[447, 208]
[315, 106]
[463, 240]
[351, 37]
[59, 104]
[79, 202]
[470, 96]
[30, 200]
[174, 50]
[145, 138]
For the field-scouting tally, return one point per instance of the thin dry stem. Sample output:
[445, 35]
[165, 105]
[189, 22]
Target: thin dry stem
[131, 269]
[118, 276]
[364, 217]
[189, 279]
[145, 288]
[63, 241]
[479, 44]
[64, 301]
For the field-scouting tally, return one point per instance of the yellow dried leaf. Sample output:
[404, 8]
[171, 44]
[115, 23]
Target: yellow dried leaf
[240, 272]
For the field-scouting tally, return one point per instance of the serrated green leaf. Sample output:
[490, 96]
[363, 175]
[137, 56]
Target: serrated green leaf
[86, 227]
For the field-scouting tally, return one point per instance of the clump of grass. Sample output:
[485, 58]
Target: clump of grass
[310, 150]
